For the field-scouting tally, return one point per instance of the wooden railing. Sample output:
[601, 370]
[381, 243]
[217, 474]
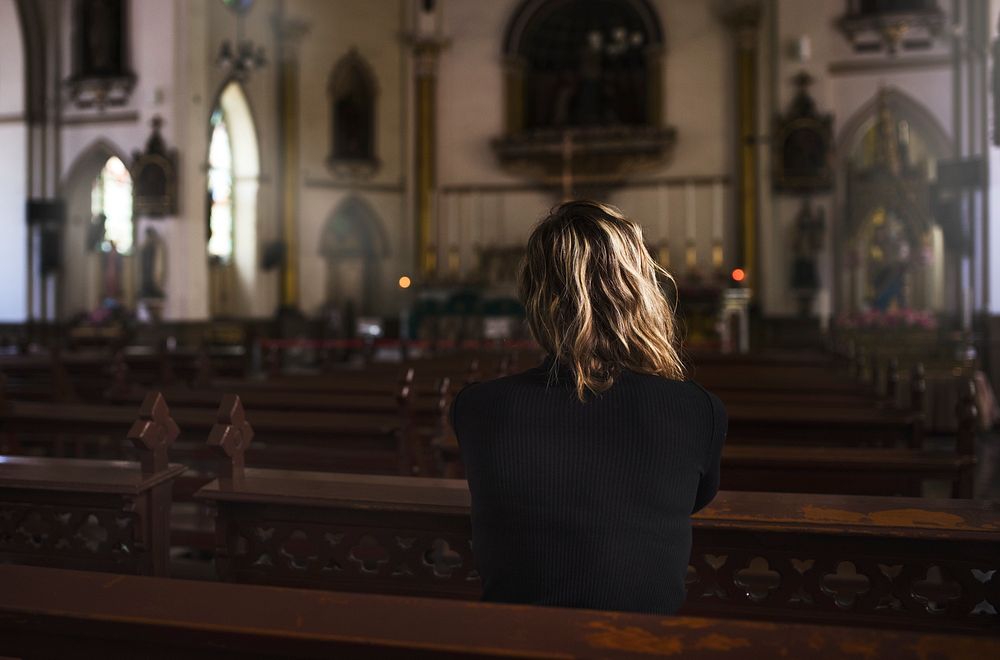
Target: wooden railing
[872, 560]
[49, 613]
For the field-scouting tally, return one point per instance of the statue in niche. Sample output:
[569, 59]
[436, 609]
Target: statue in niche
[807, 243]
[352, 91]
[591, 105]
[153, 266]
[888, 259]
[100, 64]
[102, 36]
[113, 264]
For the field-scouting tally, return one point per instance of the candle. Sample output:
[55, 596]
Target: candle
[717, 212]
[689, 210]
[663, 212]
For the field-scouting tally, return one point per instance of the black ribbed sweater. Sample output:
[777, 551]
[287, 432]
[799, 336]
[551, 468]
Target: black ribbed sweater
[587, 504]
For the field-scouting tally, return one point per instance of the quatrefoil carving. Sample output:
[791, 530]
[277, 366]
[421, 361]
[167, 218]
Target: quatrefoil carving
[299, 549]
[935, 590]
[845, 585]
[442, 558]
[757, 579]
[369, 553]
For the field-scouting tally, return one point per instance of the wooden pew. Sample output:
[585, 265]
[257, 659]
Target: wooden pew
[99, 515]
[815, 466]
[51, 613]
[35, 377]
[325, 440]
[869, 560]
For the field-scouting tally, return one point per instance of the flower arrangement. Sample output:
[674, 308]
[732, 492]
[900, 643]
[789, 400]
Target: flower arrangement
[899, 317]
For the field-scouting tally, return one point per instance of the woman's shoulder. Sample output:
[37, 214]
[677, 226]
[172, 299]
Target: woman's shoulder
[689, 390]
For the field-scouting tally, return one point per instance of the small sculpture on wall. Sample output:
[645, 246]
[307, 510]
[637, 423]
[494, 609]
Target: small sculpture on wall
[153, 266]
[802, 142]
[100, 59]
[807, 243]
[154, 172]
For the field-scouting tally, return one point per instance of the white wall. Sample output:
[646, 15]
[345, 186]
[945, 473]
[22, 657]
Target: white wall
[13, 167]
[844, 83]
[698, 94]
[376, 30]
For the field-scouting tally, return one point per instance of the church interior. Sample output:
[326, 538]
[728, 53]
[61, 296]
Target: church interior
[256, 247]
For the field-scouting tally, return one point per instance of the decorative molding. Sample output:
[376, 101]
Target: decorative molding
[869, 66]
[801, 145]
[102, 118]
[353, 185]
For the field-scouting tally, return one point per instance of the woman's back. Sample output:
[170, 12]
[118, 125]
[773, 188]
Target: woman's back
[587, 503]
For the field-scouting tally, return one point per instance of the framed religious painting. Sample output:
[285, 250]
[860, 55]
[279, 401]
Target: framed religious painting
[802, 144]
[154, 172]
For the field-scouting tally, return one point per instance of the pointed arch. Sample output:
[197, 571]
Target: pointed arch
[15, 69]
[88, 163]
[353, 242]
[885, 209]
[903, 106]
[82, 284]
[353, 91]
[232, 185]
[530, 11]
[354, 218]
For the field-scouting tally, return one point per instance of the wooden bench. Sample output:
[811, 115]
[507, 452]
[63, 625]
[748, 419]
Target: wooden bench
[99, 515]
[51, 613]
[327, 440]
[812, 466]
[827, 558]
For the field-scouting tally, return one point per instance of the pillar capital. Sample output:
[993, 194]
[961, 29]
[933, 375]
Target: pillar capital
[426, 52]
[289, 32]
[742, 17]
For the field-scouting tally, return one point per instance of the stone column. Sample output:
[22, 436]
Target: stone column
[425, 53]
[743, 20]
[289, 34]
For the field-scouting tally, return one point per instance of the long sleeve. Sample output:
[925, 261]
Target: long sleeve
[709, 484]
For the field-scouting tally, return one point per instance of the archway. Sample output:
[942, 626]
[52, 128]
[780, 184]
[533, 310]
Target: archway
[891, 251]
[353, 243]
[98, 183]
[352, 89]
[13, 165]
[584, 63]
[231, 214]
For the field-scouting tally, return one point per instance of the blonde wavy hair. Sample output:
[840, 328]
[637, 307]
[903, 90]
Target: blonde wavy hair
[593, 299]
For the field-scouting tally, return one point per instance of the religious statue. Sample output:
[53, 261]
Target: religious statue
[153, 266]
[809, 229]
[113, 263]
[888, 262]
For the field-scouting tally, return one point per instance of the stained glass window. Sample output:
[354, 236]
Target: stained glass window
[111, 197]
[220, 188]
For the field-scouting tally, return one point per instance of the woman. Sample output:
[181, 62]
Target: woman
[585, 470]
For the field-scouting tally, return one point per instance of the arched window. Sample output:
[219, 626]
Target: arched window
[352, 92]
[585, 63]
[220, 190]
[231, 214]
[111, 198]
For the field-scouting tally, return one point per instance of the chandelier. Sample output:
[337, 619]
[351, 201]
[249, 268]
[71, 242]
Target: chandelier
[616, 42]
[242, 57]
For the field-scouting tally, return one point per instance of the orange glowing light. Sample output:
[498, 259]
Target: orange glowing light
[739, 275]
[404, 282]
